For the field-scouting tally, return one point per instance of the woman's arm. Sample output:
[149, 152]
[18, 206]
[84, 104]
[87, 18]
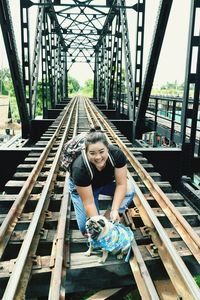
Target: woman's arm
[88, 200]
[120, 191]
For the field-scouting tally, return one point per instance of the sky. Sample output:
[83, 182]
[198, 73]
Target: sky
[172, 61]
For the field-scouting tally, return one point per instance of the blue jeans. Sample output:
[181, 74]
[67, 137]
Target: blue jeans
[108, 190]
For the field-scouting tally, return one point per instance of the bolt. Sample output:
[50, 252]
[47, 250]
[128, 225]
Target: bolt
[42, 231]
[155, 249]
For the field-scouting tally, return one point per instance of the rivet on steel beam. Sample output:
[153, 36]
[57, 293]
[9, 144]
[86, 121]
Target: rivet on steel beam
[136, 209]
[42, 231]
[155, 249]
[146, 230]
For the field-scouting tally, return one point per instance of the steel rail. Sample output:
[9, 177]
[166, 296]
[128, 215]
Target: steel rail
[56, 290]
[180, 276]
[7, 226]
[137, 264]
[75, 129]
[142, 277]
[87, 113]
[13, 283]
[186, 232]
[57, 287]
[185, 284]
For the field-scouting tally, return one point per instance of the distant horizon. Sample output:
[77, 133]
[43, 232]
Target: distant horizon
[155, 84]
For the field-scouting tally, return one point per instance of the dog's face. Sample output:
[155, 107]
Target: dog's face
[95, 226]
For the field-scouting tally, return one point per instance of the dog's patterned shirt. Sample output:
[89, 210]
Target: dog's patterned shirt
[117, 238]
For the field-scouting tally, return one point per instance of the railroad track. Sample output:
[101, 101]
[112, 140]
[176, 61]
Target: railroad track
[42, 250]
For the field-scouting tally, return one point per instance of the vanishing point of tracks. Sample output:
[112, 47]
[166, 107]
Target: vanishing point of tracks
[41, 249]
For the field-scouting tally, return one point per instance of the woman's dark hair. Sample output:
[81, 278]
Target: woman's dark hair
[95, 135]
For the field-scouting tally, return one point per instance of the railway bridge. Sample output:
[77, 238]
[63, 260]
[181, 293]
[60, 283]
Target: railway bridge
[41, 248]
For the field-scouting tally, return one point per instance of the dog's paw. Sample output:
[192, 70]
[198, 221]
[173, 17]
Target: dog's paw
[87, 253]
[101, 260]
[120, 256]
[103, 257]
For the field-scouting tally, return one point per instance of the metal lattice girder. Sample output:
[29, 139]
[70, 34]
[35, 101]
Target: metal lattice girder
[81, 27]
[103, 55]
[127, 59]
[15, 68]
[95, 86]
[106, 62]
[44, 68]
[114, 60]
[49, 63]
[25, 42]
[36, 57]
[190, 106]
[119, 79]
[161, 24]
[64, 74]
[101, 78]
[68, 32]
[140, 8]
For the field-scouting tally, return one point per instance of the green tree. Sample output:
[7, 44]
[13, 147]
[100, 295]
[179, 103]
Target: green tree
[39, 108]
[73, 85]
[7, 88]
[5, 82]
[87, 89]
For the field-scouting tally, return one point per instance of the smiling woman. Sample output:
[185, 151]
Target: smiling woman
[109, 168]
[96, 147]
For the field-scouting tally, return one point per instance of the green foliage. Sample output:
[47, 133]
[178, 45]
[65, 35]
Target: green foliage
[39, 108]
[4, 90]
[197, 279]
[170, 89]
[87, 89]
[14, 109]
[73, 85]
[6, 86]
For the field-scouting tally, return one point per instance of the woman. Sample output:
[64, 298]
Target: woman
[107, 179]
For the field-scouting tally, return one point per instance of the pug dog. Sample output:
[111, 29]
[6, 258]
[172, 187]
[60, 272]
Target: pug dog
[110, 237]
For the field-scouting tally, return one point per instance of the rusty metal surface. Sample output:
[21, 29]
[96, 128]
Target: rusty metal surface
[180, 276]
[28, 260]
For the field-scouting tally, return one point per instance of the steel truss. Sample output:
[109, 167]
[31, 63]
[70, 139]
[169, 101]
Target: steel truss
[75, 32]
[161, 24]
[190, 106]
[14, 64]
[69, 32]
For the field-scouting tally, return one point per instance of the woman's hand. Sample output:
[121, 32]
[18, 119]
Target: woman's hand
[114, 216]
[85, 192]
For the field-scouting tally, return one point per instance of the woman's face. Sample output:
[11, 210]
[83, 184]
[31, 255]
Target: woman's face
[97, 154]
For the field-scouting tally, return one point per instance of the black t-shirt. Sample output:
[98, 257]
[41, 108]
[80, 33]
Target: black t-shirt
[80, 174]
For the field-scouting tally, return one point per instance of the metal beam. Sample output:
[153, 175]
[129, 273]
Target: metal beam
[29, 3]
[190, 106]
[15, 68]
[139, 52]
[161, 24]
[25, 46]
